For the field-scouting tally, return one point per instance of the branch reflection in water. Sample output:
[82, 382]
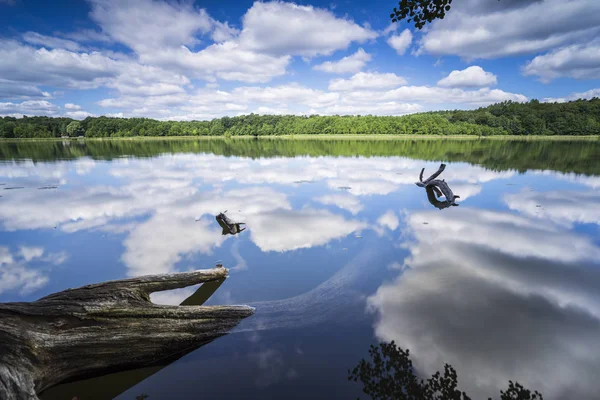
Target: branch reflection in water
[229, 227]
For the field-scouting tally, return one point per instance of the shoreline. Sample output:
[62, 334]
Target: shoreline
[315, 137]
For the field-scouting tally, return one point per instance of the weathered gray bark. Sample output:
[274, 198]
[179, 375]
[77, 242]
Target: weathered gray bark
[436, 188]
[103, 328]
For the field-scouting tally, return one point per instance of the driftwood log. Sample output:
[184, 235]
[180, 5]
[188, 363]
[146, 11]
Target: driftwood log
[102, 328]
[435, 188]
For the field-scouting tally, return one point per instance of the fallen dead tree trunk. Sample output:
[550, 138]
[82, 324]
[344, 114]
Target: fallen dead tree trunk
[102, 328]
[436, 188]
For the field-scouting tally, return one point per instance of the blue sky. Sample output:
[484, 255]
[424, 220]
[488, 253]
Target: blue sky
[205, 59]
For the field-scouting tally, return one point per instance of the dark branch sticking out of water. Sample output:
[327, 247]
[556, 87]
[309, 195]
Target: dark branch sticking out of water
[228, 226]
[437, 188]
[103, 328]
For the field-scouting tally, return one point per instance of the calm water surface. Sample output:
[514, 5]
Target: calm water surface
[342, 250]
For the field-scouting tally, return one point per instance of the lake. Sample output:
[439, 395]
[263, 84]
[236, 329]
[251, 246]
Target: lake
[342, 250]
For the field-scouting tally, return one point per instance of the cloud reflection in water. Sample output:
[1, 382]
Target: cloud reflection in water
[499, 296]
[155, 202]
[508, 294]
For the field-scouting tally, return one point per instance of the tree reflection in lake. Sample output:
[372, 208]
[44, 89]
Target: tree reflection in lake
[390, 375]
[502, 297]
[577, 156]
[499, 287]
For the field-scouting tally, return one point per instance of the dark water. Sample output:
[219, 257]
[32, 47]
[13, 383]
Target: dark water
[342, 250]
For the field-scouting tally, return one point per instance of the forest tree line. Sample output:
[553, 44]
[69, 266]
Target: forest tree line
[581, 117]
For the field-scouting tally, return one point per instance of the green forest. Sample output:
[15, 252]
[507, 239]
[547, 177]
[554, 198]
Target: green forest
[581, 117]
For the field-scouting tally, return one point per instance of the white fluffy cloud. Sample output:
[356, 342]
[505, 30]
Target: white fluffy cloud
[168, 199]
[87, 36]
[161, 34]
[466, 190]
[148, 253]
[175, 43]
[228, 60]
[384, 108]
[343, 201]
[71, 106]
[185, 233]
[286, 94]
[456, 257]
[589, 181]
[284, 230]
[149, 25]
[17, 90]
[590, 94]
[352, 63]
[401, 42]
[165, 34]
[367, 81]
[29, 253]
[78, 114]
[389, 220]
[471, 77]
[65, 69]
[436, 95]
[74, 111]
[393, 27]
[358, 95]
[223, 32]
[57, 67]
[24, 209]
[576, 61]
[29, 107]
[179, 195]
[561, 207]
[21, 279]
[285, 28]
[50, 41]
[210, 103]
[474, 29]
[16, 275]
[480, 227]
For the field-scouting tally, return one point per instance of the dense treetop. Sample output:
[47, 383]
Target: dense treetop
[581, 117]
